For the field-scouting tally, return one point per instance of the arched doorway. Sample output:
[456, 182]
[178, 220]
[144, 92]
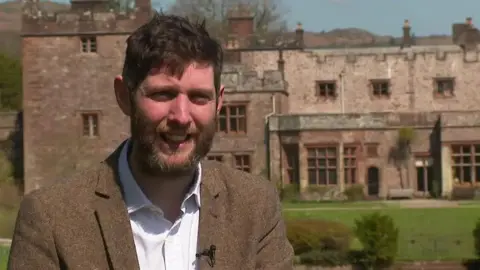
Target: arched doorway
[373, 178]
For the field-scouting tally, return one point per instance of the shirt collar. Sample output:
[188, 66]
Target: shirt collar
[134, 197]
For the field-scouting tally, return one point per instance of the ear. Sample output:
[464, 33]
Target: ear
[122, 95]
[220, 99]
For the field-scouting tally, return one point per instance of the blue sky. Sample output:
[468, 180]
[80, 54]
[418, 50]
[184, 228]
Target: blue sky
[384, 17]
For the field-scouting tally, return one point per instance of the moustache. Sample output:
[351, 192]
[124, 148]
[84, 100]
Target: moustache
[177, 131]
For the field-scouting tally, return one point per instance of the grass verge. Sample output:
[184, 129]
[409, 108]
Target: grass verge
[425, 234]
[3, 257]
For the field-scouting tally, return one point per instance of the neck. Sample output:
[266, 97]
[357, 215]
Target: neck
[165, 190]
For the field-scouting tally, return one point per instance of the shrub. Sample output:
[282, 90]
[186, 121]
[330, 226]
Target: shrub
[327, 258]
[290, 192]
[379, 237]
[354, 192]
[6, 168]
[308, 235]
[9, 202]
[7, 222]
[466, 192]
[320, 190]
[476, 238]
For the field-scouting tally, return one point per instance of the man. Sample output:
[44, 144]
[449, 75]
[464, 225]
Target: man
[153, 204]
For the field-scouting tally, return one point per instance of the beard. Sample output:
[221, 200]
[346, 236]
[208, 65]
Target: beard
[146, 136]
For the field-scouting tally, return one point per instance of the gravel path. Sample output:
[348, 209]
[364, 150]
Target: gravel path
[390, 205]
[5, 242]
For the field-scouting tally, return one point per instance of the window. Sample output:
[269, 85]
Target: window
[232, 119]
[90, 124]
[291, 153]
[424, 165]
[242, 162]
[326, 89]
[466, 163]
[380, 88]
[444, 87]
[218, 158]
[322, 166]
[350, 165]
[89, 44]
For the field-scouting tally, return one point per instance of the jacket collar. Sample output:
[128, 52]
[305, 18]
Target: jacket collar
[112, 215]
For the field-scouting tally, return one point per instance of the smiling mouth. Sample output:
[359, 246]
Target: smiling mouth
[177, 139]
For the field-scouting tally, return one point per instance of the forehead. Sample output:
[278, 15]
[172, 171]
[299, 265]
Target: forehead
[193, 75]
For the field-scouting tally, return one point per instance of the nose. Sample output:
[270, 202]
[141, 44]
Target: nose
[180, 110]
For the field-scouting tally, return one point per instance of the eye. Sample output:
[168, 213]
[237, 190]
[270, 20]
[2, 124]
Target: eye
[199, 99]
[163, 95]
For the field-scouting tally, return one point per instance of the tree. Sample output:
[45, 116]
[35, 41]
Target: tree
[268, 14]
[400, 153]
[10, 83]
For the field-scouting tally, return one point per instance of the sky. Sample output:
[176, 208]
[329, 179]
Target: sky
[383, 17]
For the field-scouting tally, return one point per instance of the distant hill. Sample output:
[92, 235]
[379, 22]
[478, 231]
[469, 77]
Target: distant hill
[10, 25]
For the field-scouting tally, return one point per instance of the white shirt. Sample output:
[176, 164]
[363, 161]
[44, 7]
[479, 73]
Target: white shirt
[160, 244]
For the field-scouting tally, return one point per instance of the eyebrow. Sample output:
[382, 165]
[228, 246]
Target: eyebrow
[202, 90]
[208, 91]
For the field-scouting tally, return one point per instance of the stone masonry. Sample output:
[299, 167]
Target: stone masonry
[352, 116]
[262, 96]
[62, 83]
[277, 87]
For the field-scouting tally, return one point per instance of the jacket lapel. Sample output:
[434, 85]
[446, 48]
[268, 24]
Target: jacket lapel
[112, 216]
[211, 216]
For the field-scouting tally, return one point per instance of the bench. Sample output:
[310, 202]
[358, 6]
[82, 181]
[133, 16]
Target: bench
[398, 193]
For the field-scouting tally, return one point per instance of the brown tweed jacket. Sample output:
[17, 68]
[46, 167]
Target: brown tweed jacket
[82, 223]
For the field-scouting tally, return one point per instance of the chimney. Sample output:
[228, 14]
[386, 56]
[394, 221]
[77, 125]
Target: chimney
[407, 37]
[299, 37]
[240, 24]
[471, 35]
[469, 22]
[465, 34]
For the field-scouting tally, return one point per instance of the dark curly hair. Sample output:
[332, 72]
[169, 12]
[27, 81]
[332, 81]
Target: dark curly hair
[172, 42]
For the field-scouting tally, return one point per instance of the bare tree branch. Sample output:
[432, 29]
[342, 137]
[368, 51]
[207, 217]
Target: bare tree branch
[269, 14]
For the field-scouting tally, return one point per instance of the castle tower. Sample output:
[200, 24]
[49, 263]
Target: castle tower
[69, 61]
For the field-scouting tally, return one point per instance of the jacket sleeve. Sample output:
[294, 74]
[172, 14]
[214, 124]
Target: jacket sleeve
[274, 250]
[33, 244]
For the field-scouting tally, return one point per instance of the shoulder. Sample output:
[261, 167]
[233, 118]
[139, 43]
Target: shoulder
[247, 187]
[64, 192]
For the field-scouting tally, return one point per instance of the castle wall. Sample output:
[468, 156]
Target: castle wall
[61, 83]
[262, 95]
[410, 71]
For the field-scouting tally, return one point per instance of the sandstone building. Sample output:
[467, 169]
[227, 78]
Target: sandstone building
[311, 116]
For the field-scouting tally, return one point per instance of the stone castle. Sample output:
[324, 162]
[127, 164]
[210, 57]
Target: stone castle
[310, 116]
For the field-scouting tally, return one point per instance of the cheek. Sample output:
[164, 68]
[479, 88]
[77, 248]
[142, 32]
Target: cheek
[153, 111]
[203, 116]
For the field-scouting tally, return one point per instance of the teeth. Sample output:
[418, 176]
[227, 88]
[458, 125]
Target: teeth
[176, 138]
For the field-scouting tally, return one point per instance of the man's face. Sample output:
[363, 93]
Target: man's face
[174, 119]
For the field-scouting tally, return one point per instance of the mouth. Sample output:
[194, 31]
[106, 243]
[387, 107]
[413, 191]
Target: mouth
[176, 138]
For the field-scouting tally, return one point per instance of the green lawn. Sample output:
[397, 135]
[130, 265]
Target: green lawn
[360, 204]
[3, 257]
[425, 234]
